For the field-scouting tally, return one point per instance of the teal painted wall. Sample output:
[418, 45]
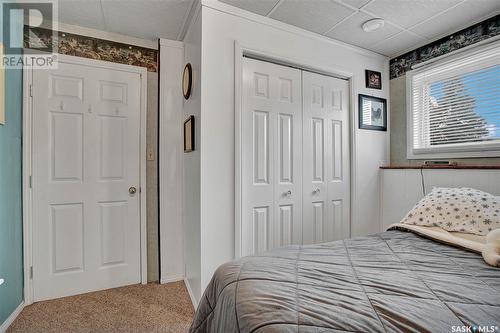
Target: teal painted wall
[11, 236]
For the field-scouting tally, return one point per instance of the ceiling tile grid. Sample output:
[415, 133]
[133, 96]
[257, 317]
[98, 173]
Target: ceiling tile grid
[348, 32]
[408, 23]
[402, 41]
[356, 3]
[313, 15]
[261, 7]
[408, 13]
[457, 18]
[146, 19]
[84, 13]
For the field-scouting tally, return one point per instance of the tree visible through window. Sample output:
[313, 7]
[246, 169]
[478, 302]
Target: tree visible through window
[455, 106]
[454, 114]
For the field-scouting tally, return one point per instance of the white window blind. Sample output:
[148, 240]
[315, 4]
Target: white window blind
[455, 106]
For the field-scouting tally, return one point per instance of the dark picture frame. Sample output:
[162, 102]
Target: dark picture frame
[373, 79]
[372, 113]
[189, 135]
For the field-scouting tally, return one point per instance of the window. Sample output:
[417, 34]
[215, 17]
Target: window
[454, 106]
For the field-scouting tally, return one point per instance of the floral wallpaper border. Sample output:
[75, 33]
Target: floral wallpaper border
[99, 49]
[468, 36]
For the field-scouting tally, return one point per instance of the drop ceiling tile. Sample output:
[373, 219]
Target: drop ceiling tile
[356, 3]
[313, 15]
[146, 19]
[458, 18]
[404, 41]
[84, 13]
[408, 13]
[350, 31]
[261, 7]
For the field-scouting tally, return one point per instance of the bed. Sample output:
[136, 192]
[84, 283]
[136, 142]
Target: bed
[395, 281]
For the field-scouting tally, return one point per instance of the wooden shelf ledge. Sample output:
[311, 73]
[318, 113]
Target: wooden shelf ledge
[460, 167]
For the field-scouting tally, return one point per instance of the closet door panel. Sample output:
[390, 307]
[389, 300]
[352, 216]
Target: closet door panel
[271, 156]
[295, 157]
[325, 158]
[338, 163]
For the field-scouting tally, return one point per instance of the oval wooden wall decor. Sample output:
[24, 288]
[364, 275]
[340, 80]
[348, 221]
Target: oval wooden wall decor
[187, 80]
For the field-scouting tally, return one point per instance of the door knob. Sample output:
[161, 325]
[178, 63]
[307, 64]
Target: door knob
[132, 190]
[287, 193]
[316, 191]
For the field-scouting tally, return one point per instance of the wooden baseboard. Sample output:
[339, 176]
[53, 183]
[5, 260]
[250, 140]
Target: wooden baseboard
[170, 279]
[5, 325]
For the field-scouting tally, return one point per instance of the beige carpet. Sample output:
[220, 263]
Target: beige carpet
[149, 308]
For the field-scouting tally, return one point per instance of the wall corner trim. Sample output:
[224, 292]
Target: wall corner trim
[5, 325]
[191, 295]
[190, 17]
[171, 43]
[170, 155]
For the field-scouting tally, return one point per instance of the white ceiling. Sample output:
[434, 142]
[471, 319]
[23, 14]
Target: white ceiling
[408, 23]
[147, 19]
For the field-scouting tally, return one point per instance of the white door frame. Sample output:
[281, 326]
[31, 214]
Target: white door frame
[239, 52]
[28, 162]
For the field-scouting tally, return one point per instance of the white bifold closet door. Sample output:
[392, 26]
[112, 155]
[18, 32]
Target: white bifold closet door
[271, 156]
[295, 157]
[86, 222]
[325, 158]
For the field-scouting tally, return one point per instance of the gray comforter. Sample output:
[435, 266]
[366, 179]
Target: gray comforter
[390, 282]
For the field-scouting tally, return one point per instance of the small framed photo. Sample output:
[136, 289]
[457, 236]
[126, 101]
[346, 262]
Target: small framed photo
[372, 113]
[189, 134]
[373, 79]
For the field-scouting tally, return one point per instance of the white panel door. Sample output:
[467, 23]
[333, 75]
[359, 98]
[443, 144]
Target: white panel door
[271, 156]
[86, 142]
[326, 154]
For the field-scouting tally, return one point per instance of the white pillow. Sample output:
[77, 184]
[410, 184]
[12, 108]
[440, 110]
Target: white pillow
[457, 209]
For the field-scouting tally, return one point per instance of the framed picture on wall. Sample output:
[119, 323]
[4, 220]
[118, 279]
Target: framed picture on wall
[189, 134]
[372, 113]
[373, 79]
[187, 81]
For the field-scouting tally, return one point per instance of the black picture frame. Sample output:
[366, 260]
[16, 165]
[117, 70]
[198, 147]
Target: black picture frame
[189, 143]
[373, 79]
[372, 99]
[187, 81]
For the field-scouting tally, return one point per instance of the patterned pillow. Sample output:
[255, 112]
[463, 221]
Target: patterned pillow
[457, 209]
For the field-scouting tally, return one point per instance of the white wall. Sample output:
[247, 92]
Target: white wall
[191, 161]
[220, 30]
[402, 188]
[170, 156]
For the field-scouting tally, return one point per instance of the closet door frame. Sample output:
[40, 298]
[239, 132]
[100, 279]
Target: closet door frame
[241, 51]
[27, 151]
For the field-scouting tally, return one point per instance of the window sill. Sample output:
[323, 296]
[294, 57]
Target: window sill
[461, 167]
